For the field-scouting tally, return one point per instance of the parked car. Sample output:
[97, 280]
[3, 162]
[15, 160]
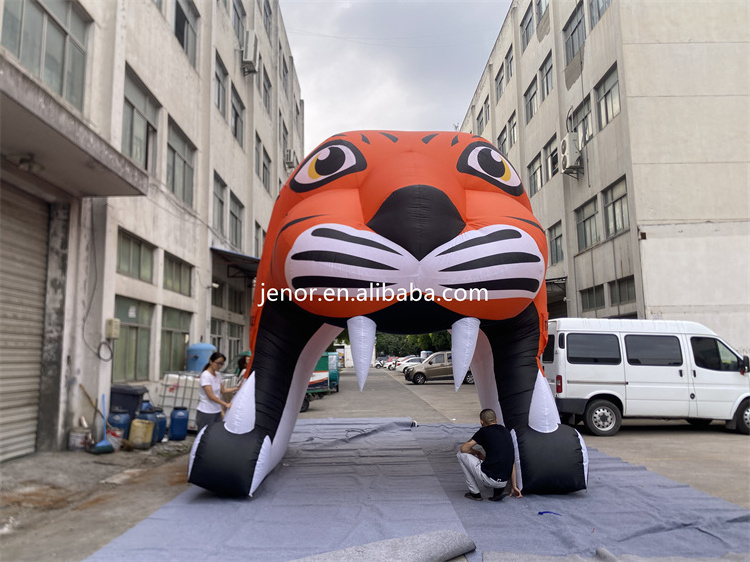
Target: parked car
[603, 370]
[396, 361]
[412, 361]
[437, 366]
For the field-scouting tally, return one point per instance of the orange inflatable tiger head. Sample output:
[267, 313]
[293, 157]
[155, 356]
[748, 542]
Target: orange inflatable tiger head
[412, 229]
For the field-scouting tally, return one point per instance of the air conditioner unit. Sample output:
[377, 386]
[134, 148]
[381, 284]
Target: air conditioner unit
[290, 158]
[250, 53]
[571, 156]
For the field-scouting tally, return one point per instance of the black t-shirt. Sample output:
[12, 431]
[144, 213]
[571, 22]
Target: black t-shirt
[498, 447]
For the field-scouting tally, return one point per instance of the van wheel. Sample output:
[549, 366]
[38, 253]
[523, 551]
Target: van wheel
[742, 418]
[419, 378]
[305, 405]
[602, 418]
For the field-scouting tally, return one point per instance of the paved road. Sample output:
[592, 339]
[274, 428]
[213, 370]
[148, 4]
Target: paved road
[66, 506]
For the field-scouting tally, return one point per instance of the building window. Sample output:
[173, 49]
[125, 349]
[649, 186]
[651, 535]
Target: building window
[177, 275]
[541, 8]
[220, 194]
[50, 43]
[236, 301]
[592, 298]
[549, 153]
[531, 101]
[284, 136]
[133, 347]
[220, 88]
[597, 9]
[266, 175]
[588, 235]
[258, 240]
[258, 151]
[217, 333]
[238, 20]
[175, 334]
[622, 291]
[555, 243]
[158, 4]
[266, 91]
[180, 153]
[509, 64]
[608, 99]
[502, 141]
[267, 17]
[615, 209]
[512, 130]
[581, 122]
[217, 294]
[236, 210]
[139, 119]
[574, 33]
[135, 258]
[185, 26]
[487, 110]
[527, 28]
[500, 82]
[284, 76]
[546, 77]
[535, 175]
[238, 117]
[480, 121]
[235, 339]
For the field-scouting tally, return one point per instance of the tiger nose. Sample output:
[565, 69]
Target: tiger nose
[419, 218]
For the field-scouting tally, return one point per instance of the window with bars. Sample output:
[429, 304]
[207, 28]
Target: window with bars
[574, 33]
[237, 121]
[236, 212]
[509, 64]
[139, 123]
[581, 122]
[175, 334]
[622, 291]
[592, 298]
[480, 121]
[535, 175]
[608, 98]
[512, 130]
[588, 234]
[486, 110]
[615, 209]
[50, 41]
[180, 152]
[500, 82]
[220, 194]
[220, 87]
[531, 101]
[133, 347]
[527, 28]
[502, 140]
[177, 275]
[236, 301]
[235, 338]
[546, 77]
[217, 334]
[555, 236]
[549, 153]
[135, 258]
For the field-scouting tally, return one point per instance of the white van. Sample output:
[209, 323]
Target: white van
[602, 370]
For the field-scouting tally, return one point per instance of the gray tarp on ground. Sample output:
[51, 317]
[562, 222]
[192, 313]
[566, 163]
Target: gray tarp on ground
[349, 482]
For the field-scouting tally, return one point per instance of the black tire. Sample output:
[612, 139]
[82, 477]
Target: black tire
[699, 422]
[742, 418]
[418, 378]
[378, 365]
[469, 378]
[305, 405]
[602, 418]
[337, 388]
[391, 367]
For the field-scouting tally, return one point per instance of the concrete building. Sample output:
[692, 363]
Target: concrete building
[143, 145]
[628, 122]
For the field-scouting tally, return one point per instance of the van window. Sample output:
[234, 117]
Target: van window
[439, 358]
[600, 349]
[549, 351]
[658, 351]
[712, 354]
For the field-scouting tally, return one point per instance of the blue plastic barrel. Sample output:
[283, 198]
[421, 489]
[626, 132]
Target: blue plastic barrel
[161, 426]
[178, 424]
[150, 415]
[198, 355]
[120, 418]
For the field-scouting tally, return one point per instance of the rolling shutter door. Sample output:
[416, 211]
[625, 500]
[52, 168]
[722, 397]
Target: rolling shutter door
[24, 223]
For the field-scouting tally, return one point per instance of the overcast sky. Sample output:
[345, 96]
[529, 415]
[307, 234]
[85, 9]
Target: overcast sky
[380, 64]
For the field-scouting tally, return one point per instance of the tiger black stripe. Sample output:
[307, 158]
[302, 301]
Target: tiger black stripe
[338, 257]
[497, 259]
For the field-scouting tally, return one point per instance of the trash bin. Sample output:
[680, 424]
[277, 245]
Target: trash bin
[127, 397]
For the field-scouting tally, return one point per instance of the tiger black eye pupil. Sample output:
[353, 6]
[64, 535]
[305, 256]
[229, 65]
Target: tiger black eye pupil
[330, 163]
[490, 165]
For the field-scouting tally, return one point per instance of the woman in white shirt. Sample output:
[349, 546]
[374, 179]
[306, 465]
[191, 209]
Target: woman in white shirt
[210, 403]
